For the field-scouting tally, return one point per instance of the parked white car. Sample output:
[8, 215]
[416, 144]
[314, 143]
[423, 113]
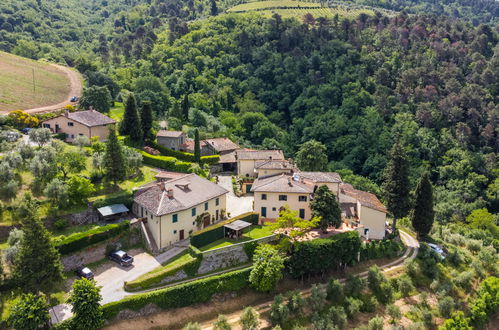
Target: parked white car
[437, 249]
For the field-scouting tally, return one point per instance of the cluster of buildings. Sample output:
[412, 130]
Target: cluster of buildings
[177, 204]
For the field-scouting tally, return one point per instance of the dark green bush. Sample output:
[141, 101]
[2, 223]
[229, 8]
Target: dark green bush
[78, 241]
[380, 249]
[184, 156]
[182, 295]
[166, 163]
[216, 232]
[323, 254]
[249, 249]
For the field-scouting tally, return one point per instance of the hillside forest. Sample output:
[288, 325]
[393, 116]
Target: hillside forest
[355, 85]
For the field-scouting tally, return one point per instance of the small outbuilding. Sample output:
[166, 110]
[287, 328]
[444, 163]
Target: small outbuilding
[112, 212]
[235, 229]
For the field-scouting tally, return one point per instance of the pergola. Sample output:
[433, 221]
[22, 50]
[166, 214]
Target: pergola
[235, 228]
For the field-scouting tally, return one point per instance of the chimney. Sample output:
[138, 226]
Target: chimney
[170, 193]
[270, 157]
[91, 108]
[161, 186]
[66, 113]
[289, 182]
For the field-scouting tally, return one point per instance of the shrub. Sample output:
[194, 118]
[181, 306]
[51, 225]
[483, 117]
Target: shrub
[369, 304]
[375, 323]
[458, 321]
[250, 319]
[427, 318]
[405, 286]
[279, 312]
[192, 326]
[182, 295]
[185, 156]
[166, 163]
[352, 307]
[464, 279]
[296, 303]
[335, 292]
[61, 224]
[81, 240]
[222, 323]
[474, 245]
[15, 236]
[320, 255]
[394, 312]
[386, 248]
[322, 323]
[354, 286]
[445, 306]
[338, 316]
[317, 299]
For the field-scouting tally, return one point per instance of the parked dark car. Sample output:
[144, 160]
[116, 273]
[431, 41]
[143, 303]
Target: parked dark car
[85, 272]
[74, 99]
[121, 257]
[26, 130]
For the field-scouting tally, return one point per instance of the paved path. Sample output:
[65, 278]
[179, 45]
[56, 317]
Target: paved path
[76, 87]
[111, 277]
[235, 205]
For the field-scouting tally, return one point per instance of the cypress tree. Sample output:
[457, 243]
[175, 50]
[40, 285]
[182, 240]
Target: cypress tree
[396, 186]
[423, 215]
[38, 262]
[146, 119]
[197, 147]
[130, 125]
[213, 8]
[113, 158]
[185, 107]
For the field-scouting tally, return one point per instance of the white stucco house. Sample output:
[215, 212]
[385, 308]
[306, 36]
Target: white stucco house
[247, 159]
[177, 205]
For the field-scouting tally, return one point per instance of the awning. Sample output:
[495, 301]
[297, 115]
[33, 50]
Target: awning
[112, 209]
[238, 225]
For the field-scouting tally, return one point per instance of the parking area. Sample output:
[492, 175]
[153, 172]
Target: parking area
[235, 205]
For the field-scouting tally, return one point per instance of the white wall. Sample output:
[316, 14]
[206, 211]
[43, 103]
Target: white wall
[373, 220]
[246, 167]
[273, 204]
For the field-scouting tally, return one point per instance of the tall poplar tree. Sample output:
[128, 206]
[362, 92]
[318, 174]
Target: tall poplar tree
[423, 215]
[197, 147]
[146, 119]
[396, 185]
[113, 158]
[130, 125]
[38, 263]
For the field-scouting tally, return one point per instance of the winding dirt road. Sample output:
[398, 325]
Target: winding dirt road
[76, 87]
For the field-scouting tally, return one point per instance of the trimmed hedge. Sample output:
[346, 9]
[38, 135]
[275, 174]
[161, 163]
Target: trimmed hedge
[320, 255]
[216, 232]
[380, 249]
[78, 241]
[166, 163]
[126, 199]
[185, 156]
[182, 295]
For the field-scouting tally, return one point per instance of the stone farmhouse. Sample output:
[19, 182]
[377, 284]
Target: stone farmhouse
[171, 139]
[361, 211]
[176, 205]
[89, 123]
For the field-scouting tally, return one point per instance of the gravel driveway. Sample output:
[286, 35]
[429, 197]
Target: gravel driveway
[235, 205]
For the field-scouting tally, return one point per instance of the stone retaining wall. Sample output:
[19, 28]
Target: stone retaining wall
[228, 256]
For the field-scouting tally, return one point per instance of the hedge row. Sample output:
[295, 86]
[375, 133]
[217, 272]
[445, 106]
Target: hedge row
[126, 199]
[380, 249]
[78, 241]
[154, 278]
[166, 163]
[185, 156]
[182, 295]
[216, 232]
[323, 254]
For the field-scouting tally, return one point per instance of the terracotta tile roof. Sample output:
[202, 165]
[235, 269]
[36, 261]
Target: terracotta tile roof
[189, 145]
[365, 198]
[281, 183]
[172, 134]
[90, 118]
[259, 154]
[169, 175]
[230, 157]
[320, 176]
[221, 144]
[273, 165]
[188, 191]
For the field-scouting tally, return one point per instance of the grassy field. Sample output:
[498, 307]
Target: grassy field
[290, 8]
[16, 83]
[117, 111]
[254, 233]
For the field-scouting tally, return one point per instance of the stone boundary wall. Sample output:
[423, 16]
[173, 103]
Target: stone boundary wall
[228, 256]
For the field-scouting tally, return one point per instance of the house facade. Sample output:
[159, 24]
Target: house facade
[246, 160]
[171, 139]
[361, 211]
[89, 123]
[175, 208]
[271, 167]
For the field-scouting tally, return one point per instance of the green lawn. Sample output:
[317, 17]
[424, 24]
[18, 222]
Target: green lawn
[256, 231]
[117, 111]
